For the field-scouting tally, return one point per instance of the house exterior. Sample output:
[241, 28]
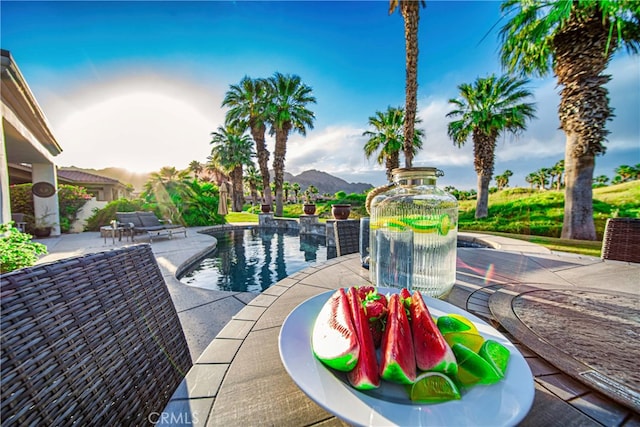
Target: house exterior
[26, 138]
[103, 189]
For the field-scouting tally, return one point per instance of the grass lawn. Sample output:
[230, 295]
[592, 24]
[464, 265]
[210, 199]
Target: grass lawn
[233, 217]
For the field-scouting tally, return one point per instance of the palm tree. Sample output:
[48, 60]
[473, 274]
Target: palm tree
[600, 181]
[232, 149]
[196, 167]
[296, 190]
[543, 177]
[502, 181]
[286, 187]
[248, 102]
[310, 193]
[410, 10]
[575, 40]
[387, 138]
[625, 172]
[484, 110]
[557, 171]
[169, 188]
[288, 113]
[253, 180]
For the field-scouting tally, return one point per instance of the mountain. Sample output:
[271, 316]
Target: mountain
[325, 183]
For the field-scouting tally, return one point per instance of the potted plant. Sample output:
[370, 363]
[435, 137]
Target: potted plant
[42, 226]
[309, 208]
[341, 210]
[265, 207]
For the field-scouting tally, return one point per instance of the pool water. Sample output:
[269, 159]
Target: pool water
[252, 259]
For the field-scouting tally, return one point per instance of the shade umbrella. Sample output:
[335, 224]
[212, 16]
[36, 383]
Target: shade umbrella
[222, 203]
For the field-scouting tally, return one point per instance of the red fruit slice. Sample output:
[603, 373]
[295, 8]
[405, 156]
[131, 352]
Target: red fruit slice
[398, 362]
[334, 339]
[365, 375]
[432, 351]
[375, 310]
[376, 328]
[365, 291]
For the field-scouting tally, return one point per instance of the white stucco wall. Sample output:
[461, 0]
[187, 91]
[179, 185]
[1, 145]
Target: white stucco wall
[84, 213]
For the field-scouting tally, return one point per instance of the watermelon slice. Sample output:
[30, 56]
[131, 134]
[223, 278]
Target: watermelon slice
[398, 362]
[365, 375]
[432, 351]
[334, 339]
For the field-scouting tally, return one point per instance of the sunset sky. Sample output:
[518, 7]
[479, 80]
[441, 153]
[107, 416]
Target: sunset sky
[139, 85]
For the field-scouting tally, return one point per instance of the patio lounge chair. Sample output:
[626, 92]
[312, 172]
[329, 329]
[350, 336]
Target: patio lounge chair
[148, 223]
[621, 240]
[91, 340]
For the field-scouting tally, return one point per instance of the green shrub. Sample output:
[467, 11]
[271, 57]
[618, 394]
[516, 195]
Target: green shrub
[16, 249]
[21, 198]
[70, 199]
[104, 216]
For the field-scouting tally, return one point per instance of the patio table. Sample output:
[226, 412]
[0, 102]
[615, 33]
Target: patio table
[119, 231]
[240, 378]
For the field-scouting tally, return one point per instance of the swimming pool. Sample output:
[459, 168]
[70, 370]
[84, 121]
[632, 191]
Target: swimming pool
[252, 259]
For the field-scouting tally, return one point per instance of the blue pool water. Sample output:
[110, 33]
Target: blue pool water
[252, 259]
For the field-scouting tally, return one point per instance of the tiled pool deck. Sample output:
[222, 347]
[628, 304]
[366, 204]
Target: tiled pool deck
[490, 284]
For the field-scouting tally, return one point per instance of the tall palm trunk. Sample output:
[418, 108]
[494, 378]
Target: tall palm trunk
[237, 192]
[392, 162]
[578, 199]
[278, 164]
[411, 15]
[584, 110]
[484, 154]
[257, 132]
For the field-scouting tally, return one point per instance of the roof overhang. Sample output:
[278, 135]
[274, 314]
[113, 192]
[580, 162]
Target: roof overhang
[28, 136]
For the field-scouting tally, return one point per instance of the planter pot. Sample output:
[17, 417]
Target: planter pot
[340, 211]
[42, 232]
[309, 209]
[266, 208]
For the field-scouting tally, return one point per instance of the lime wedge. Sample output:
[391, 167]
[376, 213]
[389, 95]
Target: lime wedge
[433, 387]
[455, 323]
[474, 369]
[496, 354]
[472, 340]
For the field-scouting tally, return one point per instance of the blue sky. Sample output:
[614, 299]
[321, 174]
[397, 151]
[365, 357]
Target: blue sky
[139, 84]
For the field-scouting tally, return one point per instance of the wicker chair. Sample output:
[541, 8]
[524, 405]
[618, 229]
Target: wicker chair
[347, 237]
[92, 340]
[621, 240]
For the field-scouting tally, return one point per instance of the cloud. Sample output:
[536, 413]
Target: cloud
[140, 123]
[541, 145]
[142, 120]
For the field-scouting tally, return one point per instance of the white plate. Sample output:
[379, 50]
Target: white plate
[501, 404]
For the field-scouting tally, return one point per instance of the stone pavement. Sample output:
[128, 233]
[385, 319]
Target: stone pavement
[203, 313]
[580, 315]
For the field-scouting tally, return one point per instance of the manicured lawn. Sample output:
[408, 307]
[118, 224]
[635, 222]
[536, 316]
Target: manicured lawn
[241, 217]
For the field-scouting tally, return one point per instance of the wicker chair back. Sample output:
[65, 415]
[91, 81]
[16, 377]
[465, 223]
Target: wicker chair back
[621, 239]
[347, 236]
[92, 340]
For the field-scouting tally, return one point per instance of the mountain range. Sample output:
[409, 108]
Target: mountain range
[324, 182]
